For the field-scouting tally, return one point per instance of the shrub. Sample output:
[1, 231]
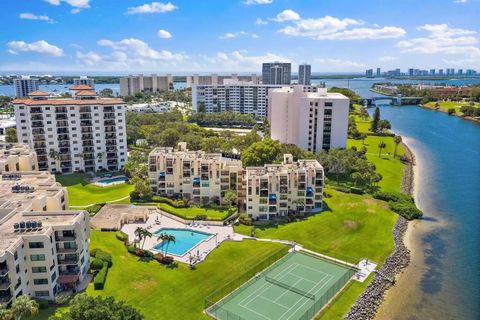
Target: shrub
[245, 219]
[201, 217]
[451, 111]
[101, 277]
[122, 236]
[166, 260]
[356, 190]
[143, 253]
[93, 209]
[96, 264]
[105, 257]
[94, 251]
[132, 249]
[342, 189]
[407, 210]
[393, 196]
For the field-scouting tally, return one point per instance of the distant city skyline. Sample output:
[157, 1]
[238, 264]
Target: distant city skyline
[236, 35]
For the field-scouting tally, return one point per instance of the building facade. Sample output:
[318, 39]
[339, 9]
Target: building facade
[277, 73]
[215, 79]
[17, 157]
[43, 248]
[85, 81]
[134, 84]
[195, 175]
[311, 120]
[24, 85]
[304, 74]
[275, 190]
[241, 97]
[82, 133]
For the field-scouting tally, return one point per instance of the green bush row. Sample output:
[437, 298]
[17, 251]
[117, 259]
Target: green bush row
[102, 255]
[96, 264]
[101, 277]
[122, 236]
[393, 196]
[402, 204]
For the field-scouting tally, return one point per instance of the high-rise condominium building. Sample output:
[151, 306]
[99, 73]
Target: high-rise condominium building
[215, 79]
[17, 157]
[304, 74]
[24, 85]
[82, 133]
[311, 120]
[369, 73]
[274, 190]
[276, 73]
[195, 175]
[85, 81]
[379, 72]
[134, 84]
[241, 97]
[43, 248]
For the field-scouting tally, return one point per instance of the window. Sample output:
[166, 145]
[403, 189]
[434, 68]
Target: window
[54, 276]
[40, 281]
[39, 269]
[36, 245]
[15, 255]
[43, 293]
[37, 257]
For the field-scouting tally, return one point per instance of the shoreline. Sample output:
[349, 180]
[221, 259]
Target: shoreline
[373, 297]
[476, 120]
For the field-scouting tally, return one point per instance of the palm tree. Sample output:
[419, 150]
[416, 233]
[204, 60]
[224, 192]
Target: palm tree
[139, 233]
[397, 140]
[167, 238]
[381, 145]
[23, 307]
[5, 313]
[146, 234]
[55, 155]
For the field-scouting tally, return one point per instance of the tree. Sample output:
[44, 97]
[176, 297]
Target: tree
[397, 140]
[139, 233]
[169, 137]
[11, 135]
[5, 314]
[262, 152]
[142, 190]
[384, 125]
[85, 307]
[381, 146]
[167, 238]
[375, 120]
[142, 234]
[24, 307]
[230, 198]
[107, 92]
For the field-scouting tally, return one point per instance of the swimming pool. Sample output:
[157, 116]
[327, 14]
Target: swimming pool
[185, 240]
[110, 181]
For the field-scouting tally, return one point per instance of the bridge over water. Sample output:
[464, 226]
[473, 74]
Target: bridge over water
[397, 100]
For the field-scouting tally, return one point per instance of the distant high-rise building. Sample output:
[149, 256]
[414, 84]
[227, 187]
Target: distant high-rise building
[411, 72]
[85, 81]
[304, 74]
[397, 72]
[440, 72]
[379, 72]
[432, 72]
[460, 72]
[369, 73]
[276, 73]
[134, 84]
[24, 85]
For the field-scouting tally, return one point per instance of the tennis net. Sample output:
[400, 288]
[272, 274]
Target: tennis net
[290, 288]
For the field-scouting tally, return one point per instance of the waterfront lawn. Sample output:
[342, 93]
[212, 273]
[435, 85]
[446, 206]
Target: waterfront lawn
[445, 105]
[192, 212]
[82, 193]
[176, 292]
[351, 227]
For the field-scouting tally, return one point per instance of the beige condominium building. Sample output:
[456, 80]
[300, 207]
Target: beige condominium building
[215, 79]
[82, 133]
[194, 175]
[274, 190]
[43, 247]
[17, 157]
[311, 120]
[134, 84]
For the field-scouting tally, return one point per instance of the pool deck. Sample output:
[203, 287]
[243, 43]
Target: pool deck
[156, 220]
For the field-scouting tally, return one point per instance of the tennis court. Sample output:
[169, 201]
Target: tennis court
[295, 287]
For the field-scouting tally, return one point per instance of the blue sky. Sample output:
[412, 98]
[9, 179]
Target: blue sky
[237, 35]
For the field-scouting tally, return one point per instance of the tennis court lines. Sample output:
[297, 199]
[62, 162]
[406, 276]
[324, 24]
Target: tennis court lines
[270, 301]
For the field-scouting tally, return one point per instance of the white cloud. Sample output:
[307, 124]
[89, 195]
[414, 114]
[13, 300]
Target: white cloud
[89, 58]
[441, 39]
[74, 3]
[251, 2]
[164, 34]
[460, 1]
[31, 16]
[40, 46]
[141, 50]
[287, 15]
[75, 11]
[332, 28]
[233, 35]
[387, 58]
[154, 7]
[260, 22]
[241, 60]
[339, 64]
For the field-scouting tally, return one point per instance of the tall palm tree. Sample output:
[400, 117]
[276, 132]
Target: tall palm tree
[167, 238]
[139, 233]
[23, 308]
[170, 238]
[146, 234]
[381, 145]
[397, 140]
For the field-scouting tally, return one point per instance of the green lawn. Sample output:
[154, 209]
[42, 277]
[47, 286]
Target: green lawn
[174, 293]
[192, 212]
[81, 193]
[445, 105]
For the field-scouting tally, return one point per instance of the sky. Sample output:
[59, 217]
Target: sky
[181, 36]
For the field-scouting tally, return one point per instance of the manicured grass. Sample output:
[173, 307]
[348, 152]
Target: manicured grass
[445, 105]
[192, 212]
[174, 293]
[351, 227]
[82, 193]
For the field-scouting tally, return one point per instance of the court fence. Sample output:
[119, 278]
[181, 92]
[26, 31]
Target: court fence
[214, 302]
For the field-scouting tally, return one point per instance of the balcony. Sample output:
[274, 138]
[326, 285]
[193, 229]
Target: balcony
[65, 235]
[61, 110]
[84, 109]
[37, 117]
[62, 124]
[89, 163]
[111, 162]
[111, 142]
[63, 137]
[111, 155]
[263, 193]
[6, 298]
[61, 116]
[39, 145]
[87, 143]
[272, 199]
[108, 109]
[109, 116]
[4, 271]
[35, 110]
[110, 136]
[263, 185]
[4, 283]
[109, 123]
[69, 272]
[87, 136]
[111, 149]
[87, 149]
[37, 124]
[73, 249]
[310, 192]
[86, 130]
[196, 183]
[62, 130]
[86, 123]
[68, 260]
[85, 116]
[110, 129]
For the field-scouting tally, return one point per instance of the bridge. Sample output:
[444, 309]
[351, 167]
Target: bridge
[394, 100]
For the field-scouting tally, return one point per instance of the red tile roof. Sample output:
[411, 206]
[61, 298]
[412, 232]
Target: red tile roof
[86, 93]
[66, 102]
[81, 87]
[39, 93]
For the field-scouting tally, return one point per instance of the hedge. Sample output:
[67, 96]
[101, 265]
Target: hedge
[122, 236]
[101, 277]
[132, 249]
[393, 196]
[105, 257]
[96, 264]
[407, 210]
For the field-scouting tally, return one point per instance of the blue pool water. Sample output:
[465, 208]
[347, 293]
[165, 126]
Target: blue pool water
[112, 180]
[185, 240]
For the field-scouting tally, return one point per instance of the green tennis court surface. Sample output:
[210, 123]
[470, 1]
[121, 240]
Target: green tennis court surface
[295, 287]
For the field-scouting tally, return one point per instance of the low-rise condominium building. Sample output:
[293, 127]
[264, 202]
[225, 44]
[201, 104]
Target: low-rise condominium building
[150, 84]
[17, 157]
